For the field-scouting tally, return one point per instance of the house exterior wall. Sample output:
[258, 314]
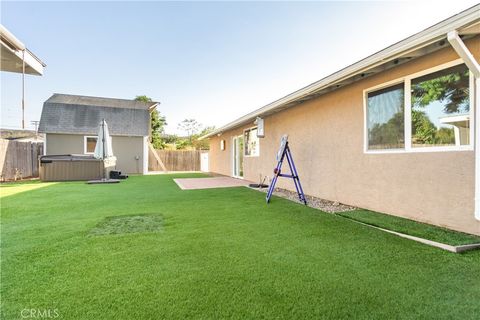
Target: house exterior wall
[326, 136]
[126, 149]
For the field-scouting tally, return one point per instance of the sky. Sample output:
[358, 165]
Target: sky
[210, 61]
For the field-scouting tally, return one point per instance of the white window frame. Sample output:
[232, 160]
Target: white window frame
[407, 80]
[85, 144]
[234, 158]
[245, 144]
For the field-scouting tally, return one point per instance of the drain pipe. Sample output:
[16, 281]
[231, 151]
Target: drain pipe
[467, 57]
[23, 89]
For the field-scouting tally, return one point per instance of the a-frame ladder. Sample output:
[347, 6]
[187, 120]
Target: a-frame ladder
[286, 153]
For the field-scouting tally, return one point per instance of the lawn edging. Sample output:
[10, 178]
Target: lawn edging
[320, 204]
[447, 247]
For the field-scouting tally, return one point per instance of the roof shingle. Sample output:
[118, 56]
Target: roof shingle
[82, 115]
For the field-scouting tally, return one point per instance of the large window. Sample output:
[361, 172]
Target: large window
[89, 144]
[385, 118]
[441, 108]
[252, 142]
[424, 112]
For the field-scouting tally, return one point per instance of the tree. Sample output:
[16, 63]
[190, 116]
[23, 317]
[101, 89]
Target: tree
[205, 143]
[143, 98]
[157, 124]
[445, 136]
[389, 134]
[190, 127]
[423, 130]
[452, 88]
[170, 138]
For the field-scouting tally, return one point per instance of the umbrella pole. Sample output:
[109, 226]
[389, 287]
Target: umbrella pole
[103, 151]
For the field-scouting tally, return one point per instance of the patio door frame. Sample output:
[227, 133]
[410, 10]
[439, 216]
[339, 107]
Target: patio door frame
[237, 157]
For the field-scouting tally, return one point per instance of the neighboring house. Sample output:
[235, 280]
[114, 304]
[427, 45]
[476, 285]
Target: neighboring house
[393, 132]
[71, 123]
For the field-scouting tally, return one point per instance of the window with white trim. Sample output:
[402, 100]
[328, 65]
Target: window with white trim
[428, 111]
[252, 142]
[89, 144]
[441, 108]
[385, 118]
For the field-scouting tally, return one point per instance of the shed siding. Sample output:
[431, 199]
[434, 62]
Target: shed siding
[64, 144]
[326, 138]
[126, 149]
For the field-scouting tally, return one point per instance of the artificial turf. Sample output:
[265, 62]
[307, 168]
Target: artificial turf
[411, 227]
[221, 253]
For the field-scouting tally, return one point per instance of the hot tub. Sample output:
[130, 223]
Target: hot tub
[74, 167]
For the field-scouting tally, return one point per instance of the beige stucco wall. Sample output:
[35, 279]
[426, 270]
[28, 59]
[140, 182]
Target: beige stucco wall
[326, 138]
[126, 149]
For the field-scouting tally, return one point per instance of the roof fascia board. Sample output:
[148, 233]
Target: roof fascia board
[415, 42]
[33, 62]
[13, 42]
[30, 59]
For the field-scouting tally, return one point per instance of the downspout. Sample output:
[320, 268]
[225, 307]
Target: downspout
[23, 89]
[467, 57]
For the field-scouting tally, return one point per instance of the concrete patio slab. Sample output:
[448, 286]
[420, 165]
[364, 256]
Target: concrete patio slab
[208, 183]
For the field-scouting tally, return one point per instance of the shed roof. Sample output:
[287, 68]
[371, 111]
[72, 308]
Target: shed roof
[434, 38]
[72, 114]
[100, 101]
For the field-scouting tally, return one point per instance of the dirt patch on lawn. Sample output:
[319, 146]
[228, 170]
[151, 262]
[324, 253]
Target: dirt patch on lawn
[128, 224]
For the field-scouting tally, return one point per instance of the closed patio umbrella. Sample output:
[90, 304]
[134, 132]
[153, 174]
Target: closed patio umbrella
[103, 151]
[103, 148]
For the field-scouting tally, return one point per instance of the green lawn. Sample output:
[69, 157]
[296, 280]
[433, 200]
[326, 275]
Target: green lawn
[411, 227]
[217, 253]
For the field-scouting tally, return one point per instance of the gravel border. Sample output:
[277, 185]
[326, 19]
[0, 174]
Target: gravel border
[313, 202]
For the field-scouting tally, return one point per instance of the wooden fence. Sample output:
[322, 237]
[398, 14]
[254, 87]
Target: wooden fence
[174, 160]
[19, 159]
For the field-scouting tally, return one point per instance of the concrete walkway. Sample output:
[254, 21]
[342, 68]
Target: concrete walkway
[172, 172]
[208, 183]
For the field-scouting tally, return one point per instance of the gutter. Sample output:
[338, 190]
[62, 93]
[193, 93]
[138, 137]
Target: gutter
[467, 57]
[11, 43]
[397, 50]
[11, 40]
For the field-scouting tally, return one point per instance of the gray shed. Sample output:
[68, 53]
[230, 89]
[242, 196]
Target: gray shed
[70, 124]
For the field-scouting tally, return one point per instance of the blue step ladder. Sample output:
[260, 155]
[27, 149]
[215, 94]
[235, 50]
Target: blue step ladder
[283, 153]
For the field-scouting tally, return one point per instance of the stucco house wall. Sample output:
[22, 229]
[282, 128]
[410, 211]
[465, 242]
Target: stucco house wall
[327, 141]
[128, 150]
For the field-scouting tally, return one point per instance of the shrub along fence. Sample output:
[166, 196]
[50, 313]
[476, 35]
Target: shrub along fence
[19, 159]
[174, 160]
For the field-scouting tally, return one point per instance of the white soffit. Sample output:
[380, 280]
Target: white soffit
[13, 52]
[429, 40]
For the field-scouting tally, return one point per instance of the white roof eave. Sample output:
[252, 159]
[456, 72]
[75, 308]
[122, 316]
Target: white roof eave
[415, 42]
[14, 53]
